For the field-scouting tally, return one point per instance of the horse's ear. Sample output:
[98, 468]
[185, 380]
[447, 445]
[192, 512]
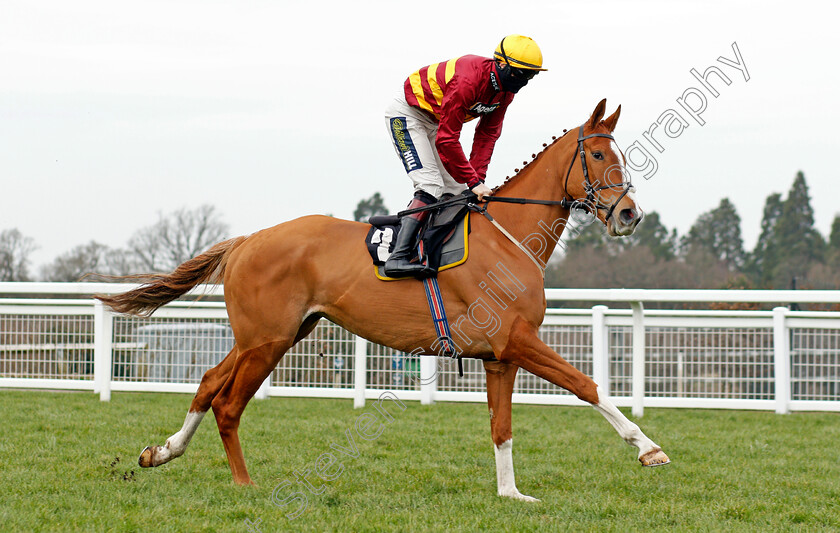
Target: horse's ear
[611, 121]
[598, 114]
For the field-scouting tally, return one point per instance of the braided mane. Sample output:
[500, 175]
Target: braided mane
[534, 157]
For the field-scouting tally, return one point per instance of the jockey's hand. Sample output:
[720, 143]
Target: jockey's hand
[481, 190]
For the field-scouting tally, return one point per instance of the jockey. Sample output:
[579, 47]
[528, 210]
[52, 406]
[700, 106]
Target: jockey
[425, 127]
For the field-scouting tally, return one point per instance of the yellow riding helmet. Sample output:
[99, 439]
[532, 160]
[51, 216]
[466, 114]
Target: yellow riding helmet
[520, 52]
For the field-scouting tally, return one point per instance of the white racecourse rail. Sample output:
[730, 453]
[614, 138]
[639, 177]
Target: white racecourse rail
[55, 336]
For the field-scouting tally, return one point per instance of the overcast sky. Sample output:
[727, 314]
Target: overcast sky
[113, 112]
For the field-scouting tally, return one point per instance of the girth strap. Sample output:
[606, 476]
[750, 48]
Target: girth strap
[444, 336]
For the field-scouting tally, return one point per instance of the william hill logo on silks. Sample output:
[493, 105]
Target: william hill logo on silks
[402, 140]
[483, 109]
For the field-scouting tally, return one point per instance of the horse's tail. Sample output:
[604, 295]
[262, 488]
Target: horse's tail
[160, 289]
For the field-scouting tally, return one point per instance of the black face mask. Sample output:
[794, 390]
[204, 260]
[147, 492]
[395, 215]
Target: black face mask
[513, 78]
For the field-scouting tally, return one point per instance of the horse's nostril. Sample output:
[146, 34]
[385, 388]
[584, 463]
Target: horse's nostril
[628, 216]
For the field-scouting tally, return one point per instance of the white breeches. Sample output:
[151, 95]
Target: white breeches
[413, 135]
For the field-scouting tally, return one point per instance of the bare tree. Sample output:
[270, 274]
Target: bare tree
[90, 262]
[73, 265]
[176, 238]
[118, 262]
[15, 249]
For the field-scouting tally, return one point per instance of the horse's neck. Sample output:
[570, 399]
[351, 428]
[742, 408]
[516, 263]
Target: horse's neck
[542, 179]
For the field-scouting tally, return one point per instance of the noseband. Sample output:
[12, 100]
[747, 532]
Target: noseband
[592, 202]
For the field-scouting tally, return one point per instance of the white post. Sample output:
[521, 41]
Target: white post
[600, 352]
[680, 374]
[781, 360]
[262, 392]
[638, 359]
[360, 372]
[428, 378]
[103, 332]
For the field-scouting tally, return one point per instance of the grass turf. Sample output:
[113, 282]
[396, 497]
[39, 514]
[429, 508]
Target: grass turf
[68, 463]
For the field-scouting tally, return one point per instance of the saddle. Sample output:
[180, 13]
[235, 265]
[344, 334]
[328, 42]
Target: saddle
[443, 242]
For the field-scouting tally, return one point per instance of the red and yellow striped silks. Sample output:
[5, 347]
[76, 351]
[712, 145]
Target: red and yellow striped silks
[428, 85]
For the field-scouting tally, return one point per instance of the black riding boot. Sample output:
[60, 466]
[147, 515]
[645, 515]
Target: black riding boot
[398, 264]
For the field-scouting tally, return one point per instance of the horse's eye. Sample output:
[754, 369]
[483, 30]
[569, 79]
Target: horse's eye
[598, 156]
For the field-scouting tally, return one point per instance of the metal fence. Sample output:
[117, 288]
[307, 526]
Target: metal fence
[775, 359]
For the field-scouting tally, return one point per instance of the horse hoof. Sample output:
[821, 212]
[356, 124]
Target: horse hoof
[516, 495]
[655, 457]
[147, 457]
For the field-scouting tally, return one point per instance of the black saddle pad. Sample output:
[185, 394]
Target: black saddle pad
[444, 239]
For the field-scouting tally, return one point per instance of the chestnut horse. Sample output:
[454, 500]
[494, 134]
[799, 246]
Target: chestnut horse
[281, 281]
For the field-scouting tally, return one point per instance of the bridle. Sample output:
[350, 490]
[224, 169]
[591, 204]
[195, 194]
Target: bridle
[592, 202]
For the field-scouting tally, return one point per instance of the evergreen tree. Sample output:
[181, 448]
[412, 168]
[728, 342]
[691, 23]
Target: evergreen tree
[799, 244]
[718, 233]
[827, 275]
[645, 259]
[579, 237]
[764, 257]
[367, 208]
[654, 235]
[834, 237]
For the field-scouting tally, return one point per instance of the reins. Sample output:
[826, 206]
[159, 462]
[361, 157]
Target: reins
[591, 202]
[472, 199]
